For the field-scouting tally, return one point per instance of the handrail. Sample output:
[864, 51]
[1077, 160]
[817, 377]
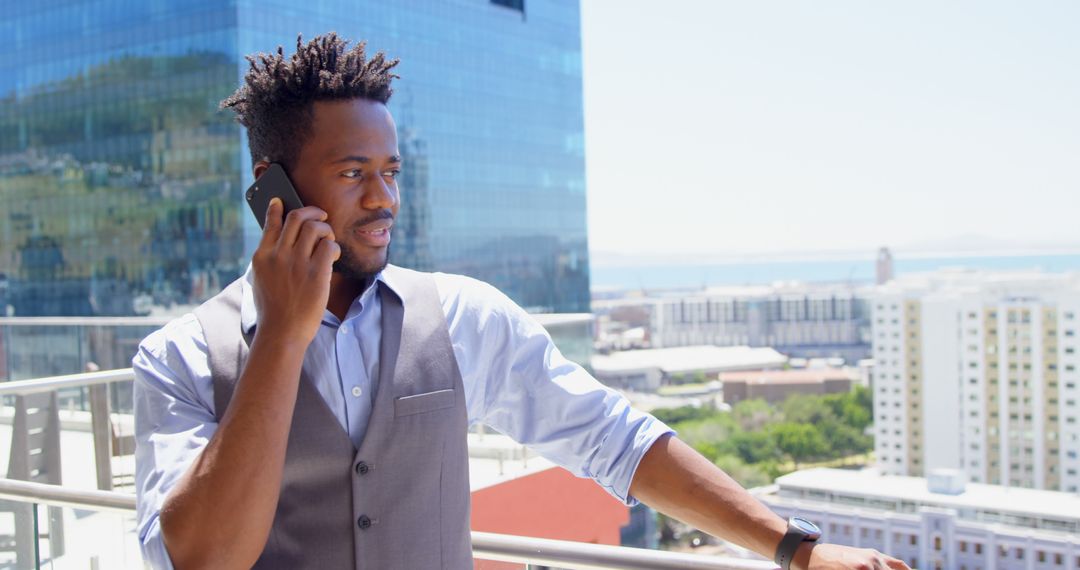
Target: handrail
[58, 496]
[486, 546]
[137, 321]
[584, 556]
[48, 384]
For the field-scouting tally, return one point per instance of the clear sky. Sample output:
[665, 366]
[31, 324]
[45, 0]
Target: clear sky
[727, 127]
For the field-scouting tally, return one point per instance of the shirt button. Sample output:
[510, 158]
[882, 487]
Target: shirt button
[356, 391]
[343, 330]
[362, 468]
[363, 522]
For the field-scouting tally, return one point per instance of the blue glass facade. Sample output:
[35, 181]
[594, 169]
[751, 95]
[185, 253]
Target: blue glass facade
[121, 182]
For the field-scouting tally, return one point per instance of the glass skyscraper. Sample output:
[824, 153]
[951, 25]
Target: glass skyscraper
[121, 182]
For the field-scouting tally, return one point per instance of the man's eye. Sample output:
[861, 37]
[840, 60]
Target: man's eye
[393, 173]
[354, 173]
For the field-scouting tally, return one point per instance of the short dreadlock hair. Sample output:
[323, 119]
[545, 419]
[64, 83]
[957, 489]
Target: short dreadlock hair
[275, 102]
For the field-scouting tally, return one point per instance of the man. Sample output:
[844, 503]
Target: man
[313, 414]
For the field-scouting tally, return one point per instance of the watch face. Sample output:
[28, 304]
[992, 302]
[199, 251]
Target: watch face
[806, 526]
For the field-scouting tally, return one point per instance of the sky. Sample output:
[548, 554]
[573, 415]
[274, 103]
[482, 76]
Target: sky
[724, 128]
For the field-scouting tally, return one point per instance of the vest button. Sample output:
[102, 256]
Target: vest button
[362, 468]
[363, 522]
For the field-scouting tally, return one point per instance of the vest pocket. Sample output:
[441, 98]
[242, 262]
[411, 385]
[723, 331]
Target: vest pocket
[426, 402]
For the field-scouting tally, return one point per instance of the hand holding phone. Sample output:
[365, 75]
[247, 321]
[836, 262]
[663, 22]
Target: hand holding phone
[292, 264]
[273, 183]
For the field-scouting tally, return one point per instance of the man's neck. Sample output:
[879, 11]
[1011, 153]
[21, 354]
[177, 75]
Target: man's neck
[343, 291]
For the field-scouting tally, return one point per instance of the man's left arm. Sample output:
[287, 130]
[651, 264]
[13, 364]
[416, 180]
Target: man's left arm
[681, 483]
[517, 382]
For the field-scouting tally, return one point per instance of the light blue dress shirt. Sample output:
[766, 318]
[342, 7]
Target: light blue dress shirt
[515, 381]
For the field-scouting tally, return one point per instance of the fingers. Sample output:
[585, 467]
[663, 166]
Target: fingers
[326, 253]
[895, 564]
[310, 234]
[272, 223]
[294, 222]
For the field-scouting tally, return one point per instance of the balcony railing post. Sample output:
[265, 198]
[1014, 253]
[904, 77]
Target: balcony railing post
[102, 431]
[37, 539]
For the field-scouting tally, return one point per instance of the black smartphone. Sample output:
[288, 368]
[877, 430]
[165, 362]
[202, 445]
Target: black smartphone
[273, 182]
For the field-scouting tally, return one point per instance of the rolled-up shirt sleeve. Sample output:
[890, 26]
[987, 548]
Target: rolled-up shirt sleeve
[174, 420]
[517, 382]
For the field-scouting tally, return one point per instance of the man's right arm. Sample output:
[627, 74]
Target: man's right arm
[220, 512]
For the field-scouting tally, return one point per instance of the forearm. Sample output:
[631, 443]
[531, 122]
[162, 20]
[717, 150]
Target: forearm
[677, 481]
[223, 506]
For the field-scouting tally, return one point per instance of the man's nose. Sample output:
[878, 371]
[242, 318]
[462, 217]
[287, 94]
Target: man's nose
[379, 195]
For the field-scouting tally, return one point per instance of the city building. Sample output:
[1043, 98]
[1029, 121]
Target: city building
[775, 386]
[884, 266]
[977, 371]
[646, 370]
[121, 182]
[940, 522]
[797, 319]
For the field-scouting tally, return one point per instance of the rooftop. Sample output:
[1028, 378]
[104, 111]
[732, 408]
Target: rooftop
[968, 281]
[976, 496]
[804, 376]
[690, 359]
[496, 459]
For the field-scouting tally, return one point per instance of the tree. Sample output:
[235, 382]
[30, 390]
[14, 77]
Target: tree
[754, 414]
[755, 447]
[801, 442]
[672, 416]
[807, 409]
[708, 434]
[748, 476]
[844, 439]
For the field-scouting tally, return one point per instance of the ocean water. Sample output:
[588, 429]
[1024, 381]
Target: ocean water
[858, 271]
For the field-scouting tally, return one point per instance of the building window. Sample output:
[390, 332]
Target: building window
[518, 5]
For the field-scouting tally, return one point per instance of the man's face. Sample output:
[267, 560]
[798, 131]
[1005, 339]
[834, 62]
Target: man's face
[348, 168]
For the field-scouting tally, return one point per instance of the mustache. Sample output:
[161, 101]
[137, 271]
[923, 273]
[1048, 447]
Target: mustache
[378, 215]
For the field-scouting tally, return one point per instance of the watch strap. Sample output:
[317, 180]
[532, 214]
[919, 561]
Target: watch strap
[788, 546]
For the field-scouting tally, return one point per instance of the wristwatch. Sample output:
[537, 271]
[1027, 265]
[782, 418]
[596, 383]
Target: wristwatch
[798, 531]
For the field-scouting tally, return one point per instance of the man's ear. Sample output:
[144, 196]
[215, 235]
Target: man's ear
[260, 167]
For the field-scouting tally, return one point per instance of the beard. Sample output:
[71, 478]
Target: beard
[350, 266]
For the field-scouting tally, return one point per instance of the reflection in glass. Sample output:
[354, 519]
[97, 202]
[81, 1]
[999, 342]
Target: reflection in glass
[121, 181]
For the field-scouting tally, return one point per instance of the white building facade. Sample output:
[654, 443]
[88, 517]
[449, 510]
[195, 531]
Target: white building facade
[977, 372]
[798, 319]
[982, 528]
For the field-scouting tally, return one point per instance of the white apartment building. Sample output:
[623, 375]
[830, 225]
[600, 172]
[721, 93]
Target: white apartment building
[977, 371]
[798, 319]
[966, 527]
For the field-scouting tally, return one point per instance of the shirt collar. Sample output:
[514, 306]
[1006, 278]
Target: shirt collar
[249, 315]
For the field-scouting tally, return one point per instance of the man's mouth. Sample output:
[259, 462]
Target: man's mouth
[376, 234]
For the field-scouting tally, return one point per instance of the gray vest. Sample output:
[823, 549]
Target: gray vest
[402, 499]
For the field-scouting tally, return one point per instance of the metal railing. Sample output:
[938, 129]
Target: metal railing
[486, 546]
[81, 380]
[97, 384]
